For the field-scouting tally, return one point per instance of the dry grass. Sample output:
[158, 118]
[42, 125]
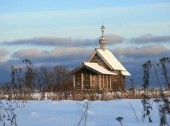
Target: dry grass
[83, 94]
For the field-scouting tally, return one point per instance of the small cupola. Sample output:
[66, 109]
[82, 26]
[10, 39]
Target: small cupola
[102, 40]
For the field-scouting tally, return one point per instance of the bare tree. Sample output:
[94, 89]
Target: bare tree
[29, 75]
[16, 80]
[51, 78]
[60, 73]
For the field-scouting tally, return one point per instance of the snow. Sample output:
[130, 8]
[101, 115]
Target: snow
[108, 58]
[125, 73]
[111, 60]
[69, 113]
[98, 68]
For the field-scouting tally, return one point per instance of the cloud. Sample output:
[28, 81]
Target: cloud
[113, 39]
[3, 54]
[49, 41]
[148, 38]
[152, 50]
[70, 57]
[62, 56]
[133, 58]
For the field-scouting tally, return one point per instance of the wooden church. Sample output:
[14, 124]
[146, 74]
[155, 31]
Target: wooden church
[102, 71]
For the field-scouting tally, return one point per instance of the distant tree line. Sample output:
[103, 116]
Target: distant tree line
[30, 79]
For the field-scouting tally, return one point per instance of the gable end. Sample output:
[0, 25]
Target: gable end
[97, 59]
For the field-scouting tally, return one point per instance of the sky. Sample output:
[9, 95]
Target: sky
[60, 32]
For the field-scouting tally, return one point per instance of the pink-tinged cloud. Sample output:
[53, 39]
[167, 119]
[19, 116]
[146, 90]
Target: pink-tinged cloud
[143, 51]
[148, 38]
[58, 54]
[50, 41]
[113, 39]
[65, 42]
[3, 54]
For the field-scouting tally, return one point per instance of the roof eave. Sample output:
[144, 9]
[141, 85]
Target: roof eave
[125, 73]
[76, 69]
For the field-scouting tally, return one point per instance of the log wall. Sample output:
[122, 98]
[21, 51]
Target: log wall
[99, 82]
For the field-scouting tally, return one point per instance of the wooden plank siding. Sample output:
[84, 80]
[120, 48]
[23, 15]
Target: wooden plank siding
[118, 83]
[97, 59]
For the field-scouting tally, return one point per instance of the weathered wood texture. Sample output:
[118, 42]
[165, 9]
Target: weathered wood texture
[97, 59]
[118, 83]
[77, 81]
[86, 79]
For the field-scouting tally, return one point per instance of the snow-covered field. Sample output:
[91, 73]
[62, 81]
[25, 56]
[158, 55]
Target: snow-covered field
[69, 113]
